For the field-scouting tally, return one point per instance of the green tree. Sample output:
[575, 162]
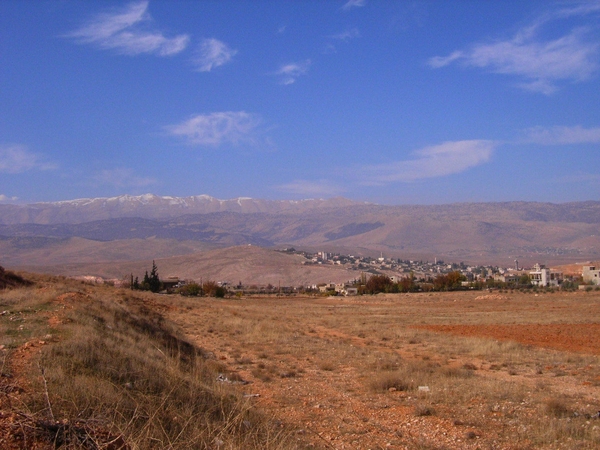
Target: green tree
[154, 281]
[524, 280]
[220, 292]
[145, 282]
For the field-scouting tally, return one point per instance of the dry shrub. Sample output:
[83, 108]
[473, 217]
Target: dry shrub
[423, 410]
[387, 363]
[580, 432]
[327, 366]
[288, 374]
[262, 375]
[469, 366]
[556, 407]
[457, 372]
[392, 380]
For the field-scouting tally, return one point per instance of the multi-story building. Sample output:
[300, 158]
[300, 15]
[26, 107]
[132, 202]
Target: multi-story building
[542, 276]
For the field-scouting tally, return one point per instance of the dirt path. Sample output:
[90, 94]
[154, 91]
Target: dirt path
[16, 428]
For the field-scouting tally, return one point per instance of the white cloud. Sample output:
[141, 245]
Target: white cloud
[290, 72]
[212, 53]
[347, 35]
[17, 159]
[539, 63]
[440, 61]
[579, 10]
[124, 31]
[431, 162]
[6, 198]
[351, 4]
[311, 188]
[217, 128]
[122, 177]
[563, 135]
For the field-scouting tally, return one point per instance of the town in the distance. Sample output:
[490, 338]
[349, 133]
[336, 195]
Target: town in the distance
[380, 275]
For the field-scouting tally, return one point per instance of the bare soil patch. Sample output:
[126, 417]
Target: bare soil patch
[582, 337]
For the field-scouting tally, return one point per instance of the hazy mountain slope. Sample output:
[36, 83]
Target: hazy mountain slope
[248, 264]
[472, 232]
[24, 251]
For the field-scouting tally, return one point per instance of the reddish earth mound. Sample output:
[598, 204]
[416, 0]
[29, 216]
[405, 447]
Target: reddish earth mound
[583, 337]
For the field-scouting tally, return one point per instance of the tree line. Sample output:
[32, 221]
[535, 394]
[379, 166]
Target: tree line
[382, 283]
[151, 282]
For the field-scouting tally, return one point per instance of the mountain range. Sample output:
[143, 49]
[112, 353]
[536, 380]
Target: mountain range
[130, 228]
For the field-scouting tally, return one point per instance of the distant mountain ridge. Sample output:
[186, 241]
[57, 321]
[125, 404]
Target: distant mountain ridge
[476, 232]
[150, 206]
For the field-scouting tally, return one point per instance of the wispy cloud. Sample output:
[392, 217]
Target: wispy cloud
[291, 72]
[125, 31]
[346, 35]
[562, 135]
[122, 177]
[431, 162]
[17, 159]
[212, 53]
[311, 188]
[217, 128]
[351, 4]
[539, 63]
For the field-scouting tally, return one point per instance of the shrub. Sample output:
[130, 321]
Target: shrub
[190, 290]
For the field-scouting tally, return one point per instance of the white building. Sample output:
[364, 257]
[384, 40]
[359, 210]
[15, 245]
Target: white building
[542, 276]
[591, 275]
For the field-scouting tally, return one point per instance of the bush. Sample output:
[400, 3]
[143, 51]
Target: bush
[190, 290]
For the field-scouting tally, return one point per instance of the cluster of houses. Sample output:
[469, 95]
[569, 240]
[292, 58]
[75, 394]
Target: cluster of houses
[539, 275]
[423, 272]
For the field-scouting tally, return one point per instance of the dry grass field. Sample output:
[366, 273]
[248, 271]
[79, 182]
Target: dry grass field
[469, 370]
[97, 367]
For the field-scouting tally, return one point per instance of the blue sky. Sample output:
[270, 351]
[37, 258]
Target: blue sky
[394, 102]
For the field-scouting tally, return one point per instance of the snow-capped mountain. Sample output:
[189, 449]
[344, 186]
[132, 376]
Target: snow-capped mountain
[151, 206]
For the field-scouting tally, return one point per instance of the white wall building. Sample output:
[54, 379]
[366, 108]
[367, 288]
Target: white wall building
[591, 275]
[542, 276]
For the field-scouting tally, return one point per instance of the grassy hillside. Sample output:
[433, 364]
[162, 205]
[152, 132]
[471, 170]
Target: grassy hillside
[95, 367]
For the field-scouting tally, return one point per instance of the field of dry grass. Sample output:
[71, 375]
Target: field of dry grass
[98, 367]
[428, 371]
[88, 367]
